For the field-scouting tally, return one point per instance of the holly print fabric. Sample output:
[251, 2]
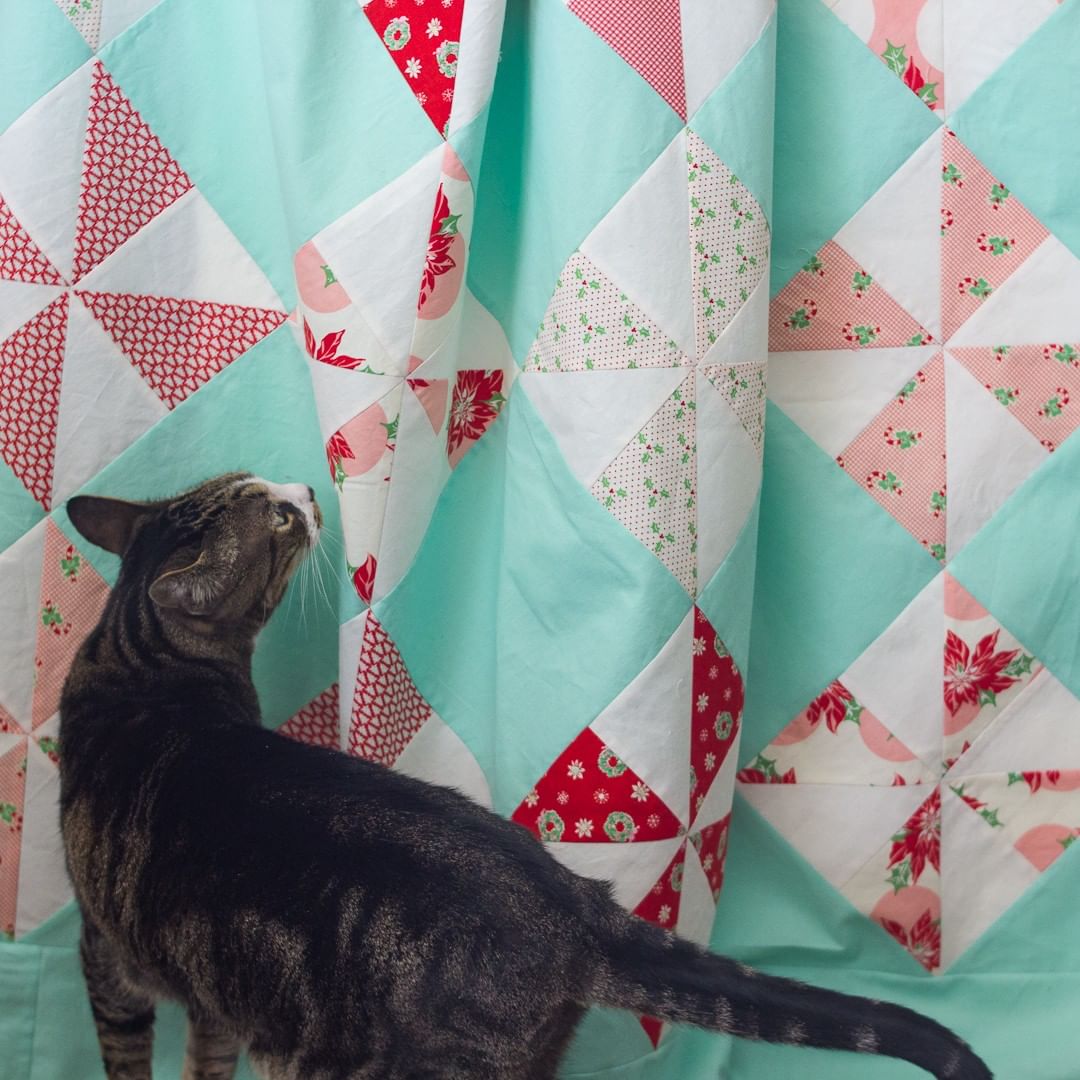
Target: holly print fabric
[690, 398]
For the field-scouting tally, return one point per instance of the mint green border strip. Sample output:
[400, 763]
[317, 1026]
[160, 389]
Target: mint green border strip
[557, 157]
[528, 607]
[833, 570]
[1023, 123]
[284, 121]
[1024, 564]
[39, 48]
[736, 120]
[844, 124]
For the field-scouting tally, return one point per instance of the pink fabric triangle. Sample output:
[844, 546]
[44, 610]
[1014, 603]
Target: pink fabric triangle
[647, 34]
[432, 394]
[73, 596]
[128, 176]
[31, 361]
[177, 345]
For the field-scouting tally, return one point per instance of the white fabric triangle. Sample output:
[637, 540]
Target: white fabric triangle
[979, 43]
[1037, 304]
[728, 477]
[43, 881]
[718, 798]
[833, 394]
[746, 337]
[188, 252]
[437, 754]
[990, 454]
[648, 724]
[421, 470]
[632, 869]
[350, 638]
[105, 405]
[811, 817]
[697, 909]
[982, 875]
[377, 251]
[715, 38]
[643, 244]
[911, 707]
[20, 302]
[481, 37]
[896, 235]
[594, 414]
[41, 166]
[340, 394]
[1038, 730]
[20, 574]
[478, 341]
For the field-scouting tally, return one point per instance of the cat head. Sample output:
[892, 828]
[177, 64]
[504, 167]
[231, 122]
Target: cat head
[220, 554]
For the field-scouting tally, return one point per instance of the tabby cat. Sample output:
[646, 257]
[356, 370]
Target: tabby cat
[334, 918]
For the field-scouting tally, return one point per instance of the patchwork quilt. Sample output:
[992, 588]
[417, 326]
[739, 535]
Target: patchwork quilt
[689, 390]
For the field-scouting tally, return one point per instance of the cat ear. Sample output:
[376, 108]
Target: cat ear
[196, 589]
[109, 523]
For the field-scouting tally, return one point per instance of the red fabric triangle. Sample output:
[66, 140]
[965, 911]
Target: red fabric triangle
[716, 707]
[647, 34]
[317, 722]
[177, 345]
[20, 258]
[31, 362]
[424, 46]
[128, 176]
[388, 710]
[589, 795]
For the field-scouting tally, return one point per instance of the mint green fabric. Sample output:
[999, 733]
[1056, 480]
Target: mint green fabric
[451, 263]
[829, 161]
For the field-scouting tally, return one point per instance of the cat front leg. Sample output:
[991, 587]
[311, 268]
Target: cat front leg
[211, 1053]
[123, 1014]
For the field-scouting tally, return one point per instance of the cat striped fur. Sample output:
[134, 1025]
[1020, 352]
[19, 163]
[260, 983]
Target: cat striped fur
[336, 919]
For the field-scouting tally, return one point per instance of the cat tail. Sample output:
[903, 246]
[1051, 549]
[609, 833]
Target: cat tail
[647, 970]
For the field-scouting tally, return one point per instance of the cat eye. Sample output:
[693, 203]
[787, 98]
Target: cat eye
[282, 518]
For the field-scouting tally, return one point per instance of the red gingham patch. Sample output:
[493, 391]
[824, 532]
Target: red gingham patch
[986, 233]
[1038, 384]
[832, 303]
[900, 457]
[647, 34]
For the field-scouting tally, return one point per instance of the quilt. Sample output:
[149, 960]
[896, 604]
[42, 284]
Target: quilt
[689, 391]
